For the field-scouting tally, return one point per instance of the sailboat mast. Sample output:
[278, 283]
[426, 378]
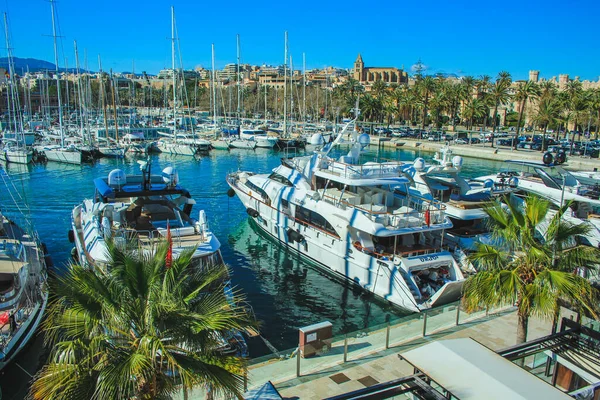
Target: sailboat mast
[265, 105]
[114, 104]
[304, 87]
[12, 106]
[239, 94]
[173, 67]
[291, 88]
[60, 115]
[285, 50]
[79, 92]
[102, 96]
[214, 89]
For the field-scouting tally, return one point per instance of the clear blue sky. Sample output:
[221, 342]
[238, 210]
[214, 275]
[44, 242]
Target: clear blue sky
[463, 37]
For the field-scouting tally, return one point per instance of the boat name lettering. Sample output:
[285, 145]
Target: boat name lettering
[428, 258]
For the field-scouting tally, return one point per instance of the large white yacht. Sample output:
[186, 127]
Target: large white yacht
[557, 185]
[344, 216]
[138, 210]
[465, 201]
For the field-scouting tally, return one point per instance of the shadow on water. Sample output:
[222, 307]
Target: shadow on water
[287, 292]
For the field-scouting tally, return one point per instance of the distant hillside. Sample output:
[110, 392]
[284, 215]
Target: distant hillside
[34, 65]
[21, 64]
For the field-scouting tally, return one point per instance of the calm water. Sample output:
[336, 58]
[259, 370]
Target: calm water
[284, 291]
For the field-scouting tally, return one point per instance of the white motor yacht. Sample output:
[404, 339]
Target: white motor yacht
[345, 216]
[557, 185]
[139, 210]
[260, 137]
[464, 200]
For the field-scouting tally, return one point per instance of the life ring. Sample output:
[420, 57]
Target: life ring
[428, 217]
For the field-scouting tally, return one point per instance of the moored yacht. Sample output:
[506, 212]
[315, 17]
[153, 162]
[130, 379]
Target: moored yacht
[139, 210]
[260, 137]
[557, 185]
[344, 216]
[13, 153]
[464, 200]
[23, 288]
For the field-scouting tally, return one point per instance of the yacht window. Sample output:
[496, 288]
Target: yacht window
[304, 215]
[281, 179]
[258, 190]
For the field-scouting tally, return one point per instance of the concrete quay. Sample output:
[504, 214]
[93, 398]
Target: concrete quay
[362, 359]
[484, 151]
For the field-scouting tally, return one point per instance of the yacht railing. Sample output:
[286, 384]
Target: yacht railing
[353, 171]
[414, 211]
[140, 238]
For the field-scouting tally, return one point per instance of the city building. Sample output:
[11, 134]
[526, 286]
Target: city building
[369, 75]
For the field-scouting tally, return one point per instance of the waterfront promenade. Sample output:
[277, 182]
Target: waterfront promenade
[368, 357]
[484, 151]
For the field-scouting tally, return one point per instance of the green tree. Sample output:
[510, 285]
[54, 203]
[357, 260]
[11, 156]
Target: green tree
[500, 94]
[548, 113]
[475, 109]
[528, 90]
[426, 87]
[140, 330]
[533, 272]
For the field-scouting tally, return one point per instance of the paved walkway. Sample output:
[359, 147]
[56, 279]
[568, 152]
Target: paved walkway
[485, 151]
[495, 332]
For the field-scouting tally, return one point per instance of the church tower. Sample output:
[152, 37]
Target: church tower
[359, 66]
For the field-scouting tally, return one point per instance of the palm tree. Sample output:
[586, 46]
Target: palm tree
[140, 330]
[500, 94]
[475, 109]
[533, 273]
[426, 87]
[547, 114]
[595, 106]
[528, 90]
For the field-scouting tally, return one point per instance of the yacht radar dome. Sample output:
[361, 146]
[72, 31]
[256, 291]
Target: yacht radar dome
[170, 176]
[117, 177]
[364, 140]
[419, 164]
[547, 158]
[457, 162]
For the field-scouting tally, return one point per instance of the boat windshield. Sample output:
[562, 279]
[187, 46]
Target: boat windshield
[556, 177]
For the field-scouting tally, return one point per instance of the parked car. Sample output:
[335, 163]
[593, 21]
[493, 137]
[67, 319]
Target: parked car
[461, 141]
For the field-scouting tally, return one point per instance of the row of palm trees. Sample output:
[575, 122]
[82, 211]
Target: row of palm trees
[470, 102]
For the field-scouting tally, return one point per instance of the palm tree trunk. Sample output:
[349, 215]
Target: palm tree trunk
[523, 321]
[521, 112]
[495, 119]
[544, 137]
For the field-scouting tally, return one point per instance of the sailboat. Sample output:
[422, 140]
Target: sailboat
[60, 153]
[14, 150]
[176, 142]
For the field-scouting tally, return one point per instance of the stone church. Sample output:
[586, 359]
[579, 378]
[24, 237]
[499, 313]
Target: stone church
[369, 75]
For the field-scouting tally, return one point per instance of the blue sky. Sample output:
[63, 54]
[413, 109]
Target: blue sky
[462, 37]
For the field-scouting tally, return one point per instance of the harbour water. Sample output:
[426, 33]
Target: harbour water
[284, 291]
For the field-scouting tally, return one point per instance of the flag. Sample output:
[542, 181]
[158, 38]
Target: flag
[169, 257]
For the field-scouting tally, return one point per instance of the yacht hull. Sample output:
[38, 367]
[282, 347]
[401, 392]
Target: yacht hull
[63, 156]
[336, 255]
[17, 157]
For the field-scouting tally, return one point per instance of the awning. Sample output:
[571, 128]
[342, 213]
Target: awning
[470, 370]
[265, 392]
